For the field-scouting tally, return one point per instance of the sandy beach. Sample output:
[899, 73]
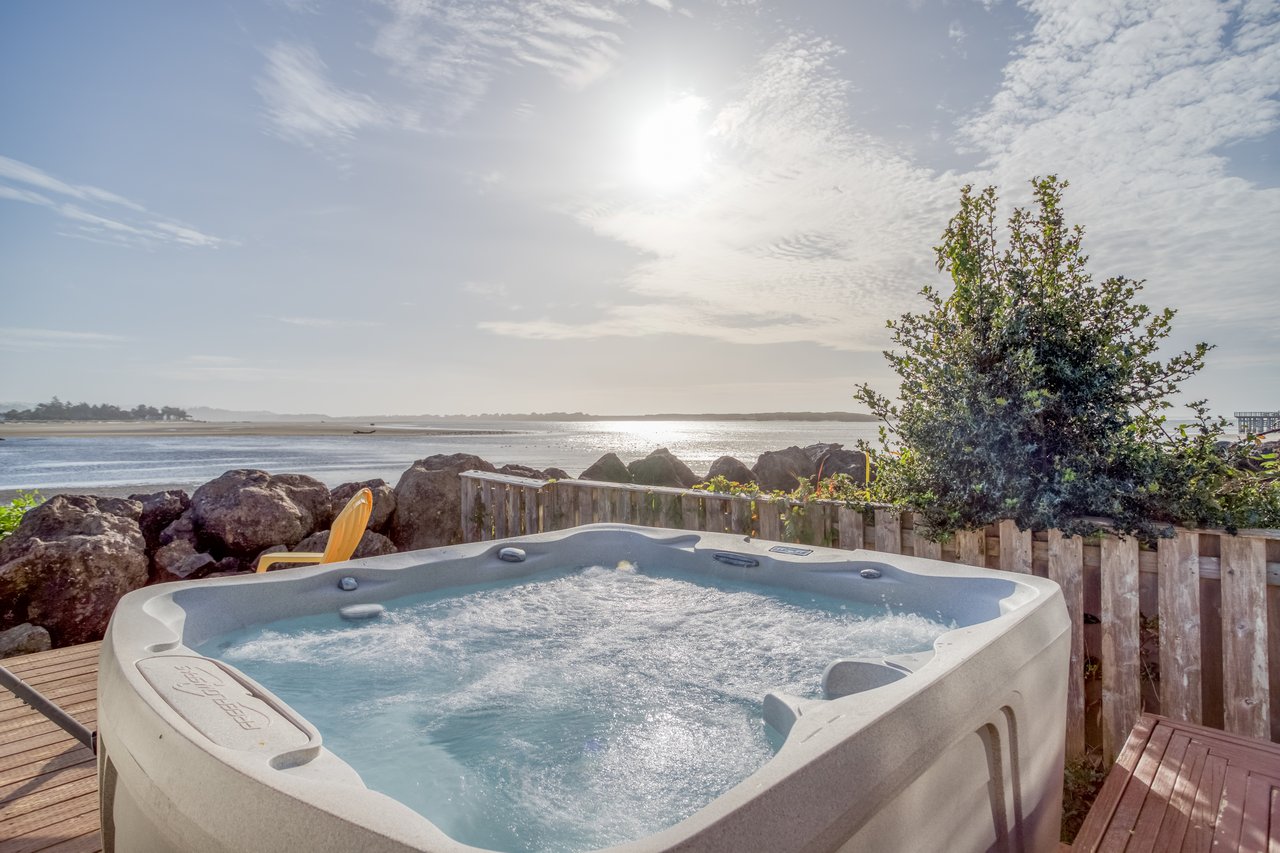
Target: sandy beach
[104, 429]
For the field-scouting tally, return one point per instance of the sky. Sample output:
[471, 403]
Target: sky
[404, 207]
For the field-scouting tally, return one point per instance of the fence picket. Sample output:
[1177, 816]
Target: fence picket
[770, 521]
[1066, 568]
[1246, 709]
[740, 516]
[1178, 562]
[921, 543]
[469, 490]
[1121, 689]
[1015, 548]
[888, 531]
[690, 511]
[714, 508]
[850, 524]
[970, 545]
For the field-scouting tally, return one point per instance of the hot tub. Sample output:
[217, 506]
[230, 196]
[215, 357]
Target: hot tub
[952, 744]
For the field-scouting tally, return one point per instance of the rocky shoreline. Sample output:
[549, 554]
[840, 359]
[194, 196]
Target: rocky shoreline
[73, 557]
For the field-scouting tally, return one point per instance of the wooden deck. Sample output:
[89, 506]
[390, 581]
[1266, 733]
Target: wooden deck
[1183, 787]
[48, 781]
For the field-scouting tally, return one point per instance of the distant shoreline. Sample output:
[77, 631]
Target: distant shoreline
[206, 429]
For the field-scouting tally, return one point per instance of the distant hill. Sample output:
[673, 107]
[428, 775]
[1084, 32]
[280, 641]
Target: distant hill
[846, 417]
[205, 413]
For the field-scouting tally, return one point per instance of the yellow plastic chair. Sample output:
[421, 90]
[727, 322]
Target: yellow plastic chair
[344, 536]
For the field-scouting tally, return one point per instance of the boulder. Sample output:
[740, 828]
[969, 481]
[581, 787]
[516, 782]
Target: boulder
[244, 511]
[533, 473]
[384, 501]
[607, 469]
[25, 639]
[733, 470]
[782, 470]
[837, 460]
[371, 544]
[68, 563]
[159, 510]
[429, 501]
[178, 561]
[662, 468]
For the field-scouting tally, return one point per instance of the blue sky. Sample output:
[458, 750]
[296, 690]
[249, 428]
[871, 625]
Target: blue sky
[395, 206]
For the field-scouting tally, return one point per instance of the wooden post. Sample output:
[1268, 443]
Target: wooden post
[512, 509]
[1066, 568]
[921, 543]
[714, 508]
[740, 515]
[819, 523]
[567, 504]
[1246, 709]
[1121, 690]
[498, 506]
[1015, 549]
[531, 506]
[470, 530]
[888, 531]
[586, 505]
[1178, 562]
[971, 547]
[690, 517]
[770, 521]
[849, 523]
[488, 500]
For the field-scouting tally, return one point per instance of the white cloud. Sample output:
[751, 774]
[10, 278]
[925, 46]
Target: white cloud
[804, 228]
[455, 50]
[1136, 106]
[24, 339]
[130, 224]
[303, 106]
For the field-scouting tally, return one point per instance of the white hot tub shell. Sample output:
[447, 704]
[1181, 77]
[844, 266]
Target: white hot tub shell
[958, 749]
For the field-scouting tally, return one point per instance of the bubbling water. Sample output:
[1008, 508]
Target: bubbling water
[572, 711]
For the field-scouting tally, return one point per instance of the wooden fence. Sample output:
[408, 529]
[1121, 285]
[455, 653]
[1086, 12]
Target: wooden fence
[1189, 629]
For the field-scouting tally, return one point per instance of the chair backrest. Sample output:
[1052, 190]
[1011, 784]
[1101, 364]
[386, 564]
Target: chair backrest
[348, 527]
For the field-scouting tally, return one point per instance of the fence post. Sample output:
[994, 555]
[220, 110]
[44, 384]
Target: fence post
[1015, 548]
[888, 530]
[1246, 709]
[1121, 690]
[1178, 562]
[1066, 568]
[970, 547]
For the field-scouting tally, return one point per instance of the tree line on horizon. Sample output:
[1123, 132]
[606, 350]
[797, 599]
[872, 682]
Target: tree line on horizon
[56, 410]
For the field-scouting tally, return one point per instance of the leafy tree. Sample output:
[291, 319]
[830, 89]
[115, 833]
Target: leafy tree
[1033, 393]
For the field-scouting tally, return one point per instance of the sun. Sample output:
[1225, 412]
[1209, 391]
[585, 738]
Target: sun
[670, 145]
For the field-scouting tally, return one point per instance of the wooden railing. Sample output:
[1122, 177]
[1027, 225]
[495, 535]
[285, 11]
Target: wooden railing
[1189, 628]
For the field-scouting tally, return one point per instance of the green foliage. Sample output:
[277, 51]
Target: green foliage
[12, 513]
[56, 410]
[1081, 781]
[1033, 393]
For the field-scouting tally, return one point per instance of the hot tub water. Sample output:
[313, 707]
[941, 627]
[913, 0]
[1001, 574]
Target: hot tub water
[572, 711]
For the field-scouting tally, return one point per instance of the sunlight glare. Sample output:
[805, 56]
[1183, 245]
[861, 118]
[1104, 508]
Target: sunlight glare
[670, 148]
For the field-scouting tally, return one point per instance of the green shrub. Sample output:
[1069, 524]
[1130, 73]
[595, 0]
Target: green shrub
[1032, 393]
[12, 513]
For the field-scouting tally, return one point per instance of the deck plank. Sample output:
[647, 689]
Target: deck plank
[48, 779]
[1184, 787]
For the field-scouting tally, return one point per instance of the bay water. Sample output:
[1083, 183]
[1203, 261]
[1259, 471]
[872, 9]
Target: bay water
[55, 464]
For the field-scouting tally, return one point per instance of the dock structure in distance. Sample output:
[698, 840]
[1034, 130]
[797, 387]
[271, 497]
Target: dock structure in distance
[1257, 422]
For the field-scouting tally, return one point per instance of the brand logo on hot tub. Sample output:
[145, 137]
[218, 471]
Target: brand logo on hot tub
[199, 682]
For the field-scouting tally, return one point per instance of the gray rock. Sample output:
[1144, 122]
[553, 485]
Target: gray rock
[607, 469]
[68, 563]
[159, 510]
[178, 561]
[784, 469]
[533, 473]
[733, 470]
[429, 501]
[662, 468]
[384, 501]
[244, 511]
[25, 639]
[837, 460]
